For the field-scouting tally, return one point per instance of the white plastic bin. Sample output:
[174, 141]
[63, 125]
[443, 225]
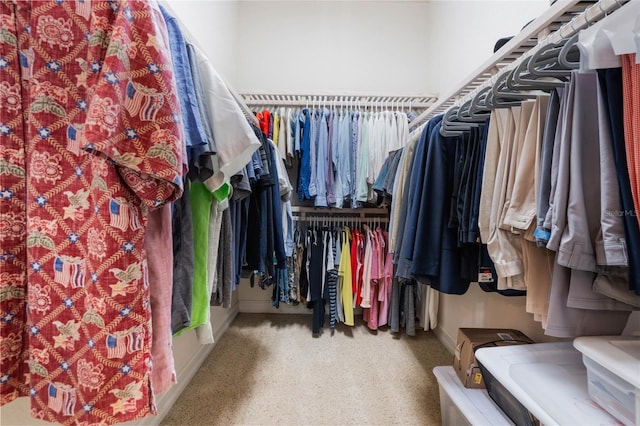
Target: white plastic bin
[462, 406]
[549, 380]
[613, 372]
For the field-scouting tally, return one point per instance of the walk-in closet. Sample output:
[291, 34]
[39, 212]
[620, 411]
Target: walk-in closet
[233, 212]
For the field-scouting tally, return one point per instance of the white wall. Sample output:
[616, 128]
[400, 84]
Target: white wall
[214, 26]
[370, 47]
[351, 47]
[462, 35]
[477, 308]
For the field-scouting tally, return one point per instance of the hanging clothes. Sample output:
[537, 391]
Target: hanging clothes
[331, 281]
[399, 200]
[342, 268]
[198, 139]
[339, 160]
[77, 196]
[384, 292]
[517, 183]
[357, 265]
[611, 85]
[183, 261]
[411, 198]
[574, 239]
[631, 111]
[158, 240]
[344, 274]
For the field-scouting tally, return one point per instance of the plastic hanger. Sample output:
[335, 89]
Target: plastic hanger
[521, 79]
[488, 99]
[449, 128]
[502, 91]
[503, 97]
[465, 116]
[544, 63]
[479, 107]
[463, 110]
[563, 57]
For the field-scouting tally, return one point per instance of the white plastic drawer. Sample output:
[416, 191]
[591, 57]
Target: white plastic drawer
[462, 406]
[619, 397]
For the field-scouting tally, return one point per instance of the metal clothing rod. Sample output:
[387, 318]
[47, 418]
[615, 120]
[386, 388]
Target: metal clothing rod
[565, 18]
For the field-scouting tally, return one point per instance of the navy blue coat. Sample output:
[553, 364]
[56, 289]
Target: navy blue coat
[414, 196]
[436, 256]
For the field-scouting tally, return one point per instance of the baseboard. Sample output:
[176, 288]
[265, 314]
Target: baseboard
[165, 401]
[447, 341]
[219, 331]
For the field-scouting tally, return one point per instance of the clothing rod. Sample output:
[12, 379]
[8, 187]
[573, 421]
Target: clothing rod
[591, 15]
[505, 58]
[313, 211]
[392, 104]
[344, 215]
[334, 219]
[245, 108]
[363, 101]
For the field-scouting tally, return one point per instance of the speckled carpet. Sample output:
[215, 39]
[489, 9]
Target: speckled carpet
[267, 369]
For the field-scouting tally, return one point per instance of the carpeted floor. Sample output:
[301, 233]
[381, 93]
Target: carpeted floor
[268, 369]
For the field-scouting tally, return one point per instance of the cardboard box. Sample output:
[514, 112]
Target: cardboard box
[470, 339]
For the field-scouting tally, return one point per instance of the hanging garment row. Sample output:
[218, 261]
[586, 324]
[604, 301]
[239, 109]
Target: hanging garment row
[546, 181]
[339, 151]
[431, 233]
[99, 257]
[338, 269]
